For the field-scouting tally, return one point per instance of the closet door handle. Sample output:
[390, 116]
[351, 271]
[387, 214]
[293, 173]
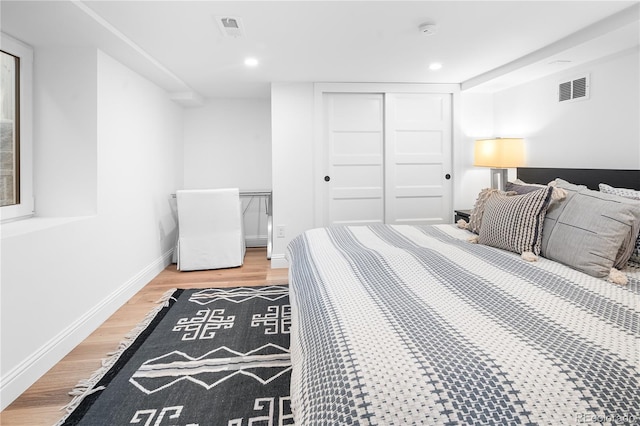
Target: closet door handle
[327, 178]
[447, 176]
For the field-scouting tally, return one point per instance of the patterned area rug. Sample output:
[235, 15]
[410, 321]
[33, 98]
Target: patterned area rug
[205, 357]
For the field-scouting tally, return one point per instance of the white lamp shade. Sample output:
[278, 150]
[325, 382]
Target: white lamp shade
[499, 153]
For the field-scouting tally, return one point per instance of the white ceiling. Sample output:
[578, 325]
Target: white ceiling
[482, 44]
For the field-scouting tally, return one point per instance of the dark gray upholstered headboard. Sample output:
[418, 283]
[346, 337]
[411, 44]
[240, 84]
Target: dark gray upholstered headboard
[589, 177]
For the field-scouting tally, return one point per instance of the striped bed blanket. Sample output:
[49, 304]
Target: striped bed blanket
[398, 324]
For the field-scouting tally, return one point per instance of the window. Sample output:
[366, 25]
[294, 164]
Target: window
[16, 170]
[9, 129]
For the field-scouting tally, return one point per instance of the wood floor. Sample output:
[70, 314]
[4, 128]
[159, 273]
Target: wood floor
[41, 403]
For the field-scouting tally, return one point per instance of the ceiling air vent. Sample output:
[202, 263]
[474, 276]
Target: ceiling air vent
[231, 26]
[575, 89]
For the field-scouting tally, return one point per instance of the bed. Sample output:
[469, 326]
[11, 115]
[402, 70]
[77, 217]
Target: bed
[398, 324]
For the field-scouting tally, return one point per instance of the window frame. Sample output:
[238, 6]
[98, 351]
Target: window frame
[25, 207]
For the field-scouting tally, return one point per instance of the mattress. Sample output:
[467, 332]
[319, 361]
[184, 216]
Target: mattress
[398, 324]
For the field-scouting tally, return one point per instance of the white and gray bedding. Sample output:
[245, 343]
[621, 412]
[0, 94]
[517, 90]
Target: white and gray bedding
[415, 325]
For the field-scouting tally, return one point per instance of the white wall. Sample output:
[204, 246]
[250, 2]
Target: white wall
[476, 122]
[600, 132]
[63, 276]
[65, 130]
[227, 143]
[292, 163]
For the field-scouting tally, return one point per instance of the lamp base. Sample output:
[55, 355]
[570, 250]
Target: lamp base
[499, 178]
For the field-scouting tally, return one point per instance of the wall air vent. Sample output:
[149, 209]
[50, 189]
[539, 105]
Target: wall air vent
[573, 90]
[231, 26]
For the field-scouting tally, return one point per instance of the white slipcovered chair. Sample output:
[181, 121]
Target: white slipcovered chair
[210, 229]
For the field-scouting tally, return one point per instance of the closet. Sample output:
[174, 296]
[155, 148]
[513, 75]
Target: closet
[386, 158]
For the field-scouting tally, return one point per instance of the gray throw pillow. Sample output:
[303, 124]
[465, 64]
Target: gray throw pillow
[626, 193]
[521, 189]
[590, 231]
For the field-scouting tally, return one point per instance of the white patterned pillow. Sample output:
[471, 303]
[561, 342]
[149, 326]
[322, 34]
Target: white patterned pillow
[626, 193]
[515, 222]
[622, 192]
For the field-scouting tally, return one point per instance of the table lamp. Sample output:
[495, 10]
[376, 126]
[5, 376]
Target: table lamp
[499, 154]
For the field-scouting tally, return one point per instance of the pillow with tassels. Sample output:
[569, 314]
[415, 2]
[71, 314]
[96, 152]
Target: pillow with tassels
[476, 214]
[515, 222]
[591, 231]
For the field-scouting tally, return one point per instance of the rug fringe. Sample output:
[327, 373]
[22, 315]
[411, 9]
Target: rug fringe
[86, 387]
[166, 297]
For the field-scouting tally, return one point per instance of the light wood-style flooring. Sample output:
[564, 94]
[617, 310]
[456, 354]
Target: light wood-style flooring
[41, 403]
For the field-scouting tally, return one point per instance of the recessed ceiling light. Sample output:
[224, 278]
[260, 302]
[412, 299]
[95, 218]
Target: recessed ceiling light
[251, 62]
[434, 66]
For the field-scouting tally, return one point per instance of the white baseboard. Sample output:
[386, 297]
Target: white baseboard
[18, 379]
[279, 261]
[255, 241]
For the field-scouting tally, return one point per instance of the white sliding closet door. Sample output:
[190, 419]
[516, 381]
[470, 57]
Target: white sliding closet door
[387, 158]
[417, 158]
[354, 142]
